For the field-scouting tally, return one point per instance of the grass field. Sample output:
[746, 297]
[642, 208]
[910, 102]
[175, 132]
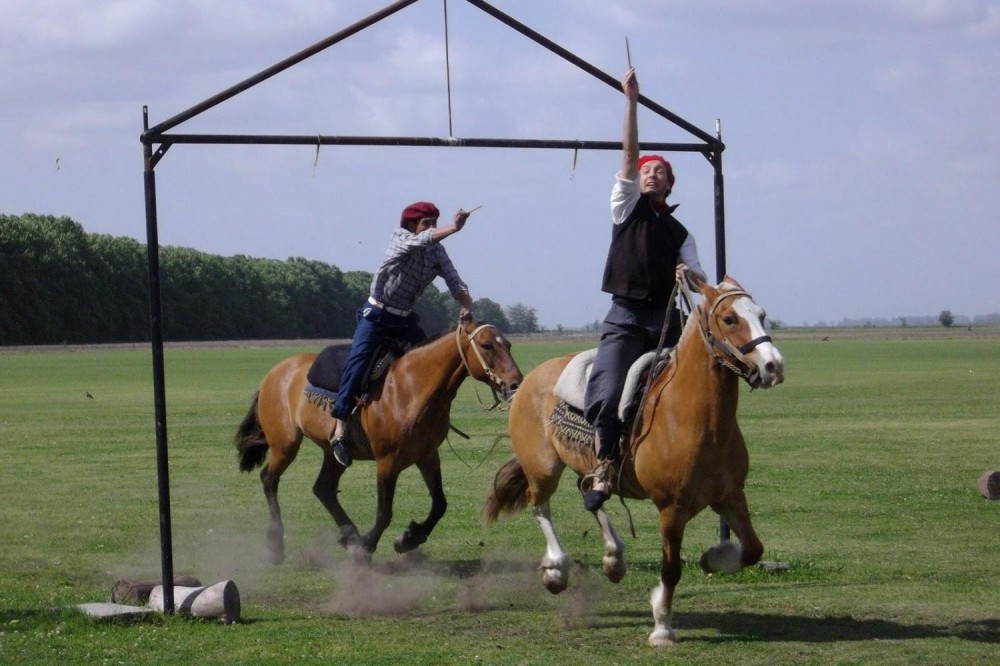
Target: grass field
[863, 481]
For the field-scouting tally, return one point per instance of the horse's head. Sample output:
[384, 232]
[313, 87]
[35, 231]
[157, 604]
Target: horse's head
[732, 325]
[486, 355]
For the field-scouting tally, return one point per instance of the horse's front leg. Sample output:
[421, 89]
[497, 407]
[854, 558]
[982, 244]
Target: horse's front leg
[416, 534]
[672, 524]
[385, 477]
[725, 556]
[613, 562]
[555, 564]
[325, 489]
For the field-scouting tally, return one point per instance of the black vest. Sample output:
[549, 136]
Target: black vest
[644, 252]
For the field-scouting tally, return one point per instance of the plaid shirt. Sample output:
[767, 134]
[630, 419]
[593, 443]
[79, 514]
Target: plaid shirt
[411, 263]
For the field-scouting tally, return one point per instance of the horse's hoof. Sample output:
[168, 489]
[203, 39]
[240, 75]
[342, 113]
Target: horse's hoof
[359, 554]
[410, 539]
[725, 557]
[275, 555]
[404, 543]
[348, 536]
[662, 637]
[555, 580]
[614, 568]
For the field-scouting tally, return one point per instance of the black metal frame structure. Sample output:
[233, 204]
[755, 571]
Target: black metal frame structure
[157, 140]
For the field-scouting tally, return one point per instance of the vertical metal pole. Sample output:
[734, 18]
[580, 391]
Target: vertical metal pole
[159, 391]
[447, 66]
[720, 251]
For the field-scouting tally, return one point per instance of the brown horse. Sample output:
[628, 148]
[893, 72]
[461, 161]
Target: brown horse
[688, 452]
[405, 421]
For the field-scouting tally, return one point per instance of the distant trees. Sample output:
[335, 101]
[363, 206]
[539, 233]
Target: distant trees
[523, 319]
[491, 311]
[59, 284]
[946, 318]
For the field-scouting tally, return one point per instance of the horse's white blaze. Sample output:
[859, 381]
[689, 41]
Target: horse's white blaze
[770, 364]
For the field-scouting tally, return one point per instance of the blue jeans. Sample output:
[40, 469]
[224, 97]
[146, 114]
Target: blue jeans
[375, 326]
[630, 330]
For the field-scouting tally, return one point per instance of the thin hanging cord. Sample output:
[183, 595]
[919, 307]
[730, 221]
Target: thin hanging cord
[447, 65]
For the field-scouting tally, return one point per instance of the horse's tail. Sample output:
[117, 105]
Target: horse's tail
[251, 444]
[510, 492]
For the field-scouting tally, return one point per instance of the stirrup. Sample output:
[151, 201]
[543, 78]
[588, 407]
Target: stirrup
[342, 451]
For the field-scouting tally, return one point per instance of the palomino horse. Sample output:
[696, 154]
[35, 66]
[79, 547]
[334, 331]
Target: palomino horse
[403, 425]
[688, 452]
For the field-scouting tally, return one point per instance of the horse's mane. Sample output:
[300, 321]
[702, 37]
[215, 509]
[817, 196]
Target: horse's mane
[437, 336]
[432, 339]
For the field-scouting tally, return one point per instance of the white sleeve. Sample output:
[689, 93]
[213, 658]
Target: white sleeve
[624, 196]
[689, 255]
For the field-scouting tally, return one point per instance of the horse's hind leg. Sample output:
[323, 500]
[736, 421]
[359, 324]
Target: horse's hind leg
[325, 490]
[725, 556]
[416, 534]
[270, 477]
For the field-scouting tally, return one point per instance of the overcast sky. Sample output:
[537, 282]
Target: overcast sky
[862, 161]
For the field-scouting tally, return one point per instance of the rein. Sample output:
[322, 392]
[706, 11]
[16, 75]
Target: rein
[492, 376]
[656, 357]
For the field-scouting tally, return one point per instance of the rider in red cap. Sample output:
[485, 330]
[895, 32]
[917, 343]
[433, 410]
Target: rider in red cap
[649, 250]
[414, 258]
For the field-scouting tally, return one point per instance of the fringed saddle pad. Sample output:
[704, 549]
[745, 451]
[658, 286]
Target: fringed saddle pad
[321, 397]
[571, 427]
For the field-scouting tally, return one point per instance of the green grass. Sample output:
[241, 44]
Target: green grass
[863, 480]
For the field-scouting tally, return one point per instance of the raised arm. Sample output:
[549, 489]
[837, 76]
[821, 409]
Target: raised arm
[630, 131]
[460, 217]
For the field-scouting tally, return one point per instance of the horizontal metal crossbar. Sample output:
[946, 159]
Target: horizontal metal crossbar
[306, 140]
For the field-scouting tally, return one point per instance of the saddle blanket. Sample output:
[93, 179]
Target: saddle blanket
[571, 386]
[325, 370]
[323, 377]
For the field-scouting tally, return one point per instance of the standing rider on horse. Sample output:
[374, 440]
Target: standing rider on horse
[414, 258]
[649, 251]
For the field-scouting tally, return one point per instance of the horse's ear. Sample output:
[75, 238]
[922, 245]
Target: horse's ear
[732, 281]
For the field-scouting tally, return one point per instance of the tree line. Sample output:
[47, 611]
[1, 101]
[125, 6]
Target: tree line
[60, 284]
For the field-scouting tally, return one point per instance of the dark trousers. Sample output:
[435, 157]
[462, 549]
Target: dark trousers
[375, 326]
[630, 330]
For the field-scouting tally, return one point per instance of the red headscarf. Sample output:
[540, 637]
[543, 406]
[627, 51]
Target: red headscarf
[659, 158]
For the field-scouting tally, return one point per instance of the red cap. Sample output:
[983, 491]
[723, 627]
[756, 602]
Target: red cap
[659, 158]
[418, 211]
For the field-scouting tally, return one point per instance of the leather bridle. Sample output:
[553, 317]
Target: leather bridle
[725, 352]
[496, 383]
